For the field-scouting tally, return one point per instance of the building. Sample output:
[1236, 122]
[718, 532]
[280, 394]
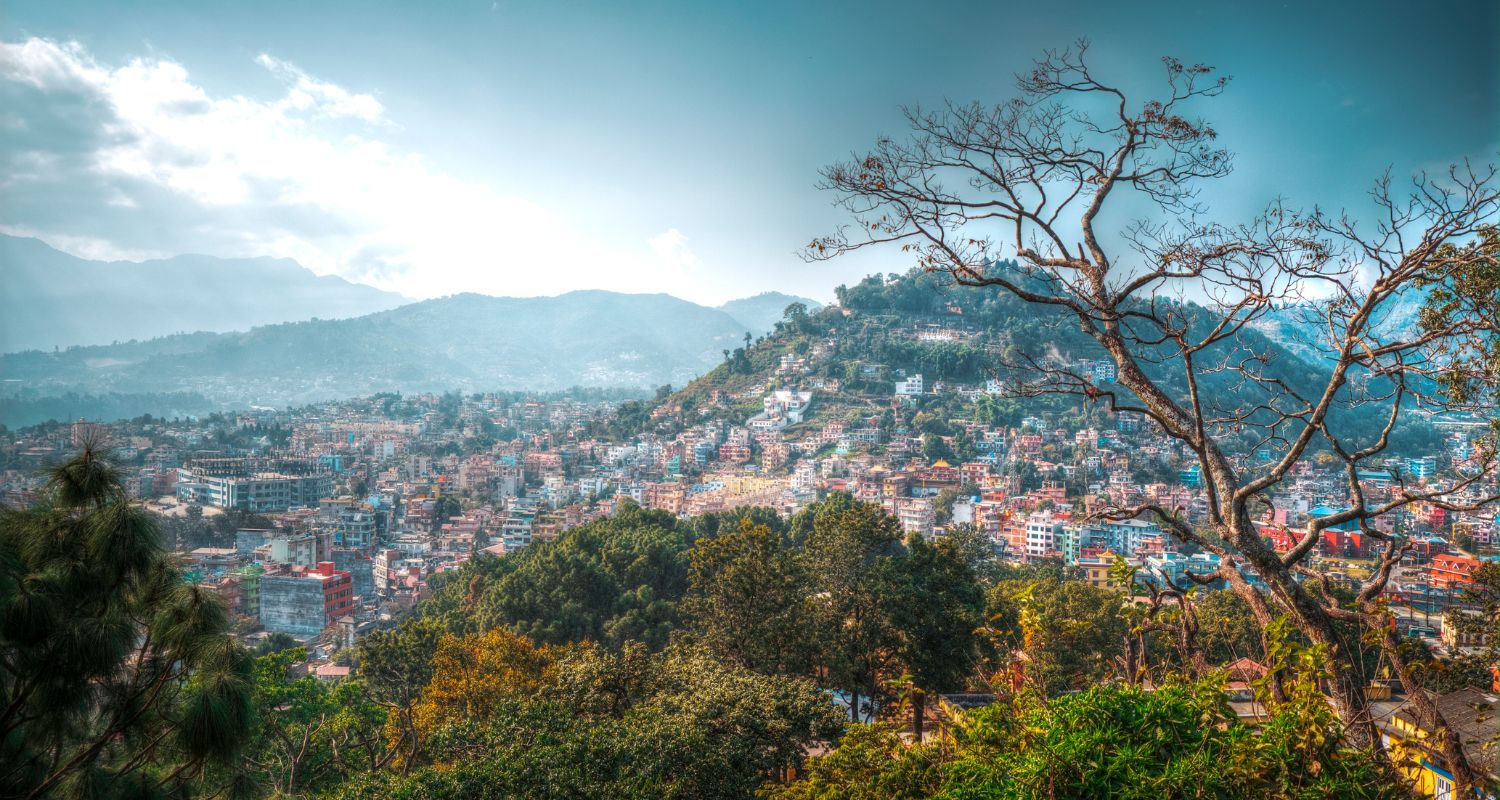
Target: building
[910, 387]
[306, 601]
[1042, 532]
[354, 525]
[258, 485]
[1451, 572]
[1469, 712]
[361, 568]
[286, 547]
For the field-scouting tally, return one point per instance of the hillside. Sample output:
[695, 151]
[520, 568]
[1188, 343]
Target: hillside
[1302, 328]
[852, 354]
[51, 299]
[759, 314]
[469, 342]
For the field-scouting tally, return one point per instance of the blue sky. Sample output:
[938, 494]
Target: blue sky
[531, 148]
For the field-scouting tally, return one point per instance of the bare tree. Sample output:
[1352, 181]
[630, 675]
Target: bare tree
[1172, 296]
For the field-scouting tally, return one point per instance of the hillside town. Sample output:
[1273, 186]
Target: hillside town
[347, 509]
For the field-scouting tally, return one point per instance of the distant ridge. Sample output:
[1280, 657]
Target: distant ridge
[51, 299]
[760, 313]
[468, 341]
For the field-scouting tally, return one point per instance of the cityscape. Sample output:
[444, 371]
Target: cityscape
[1041, 473]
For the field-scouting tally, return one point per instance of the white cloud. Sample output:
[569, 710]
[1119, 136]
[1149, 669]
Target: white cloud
[305, 175]
[327, 98]
[672, 251]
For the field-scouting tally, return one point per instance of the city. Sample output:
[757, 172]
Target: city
[715, 401]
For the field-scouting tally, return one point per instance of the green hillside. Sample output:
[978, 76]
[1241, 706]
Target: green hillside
[888, 327]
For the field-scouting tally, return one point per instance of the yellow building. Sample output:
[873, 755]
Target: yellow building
[1469, 712]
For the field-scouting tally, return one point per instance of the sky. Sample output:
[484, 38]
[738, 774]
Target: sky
[532, 148]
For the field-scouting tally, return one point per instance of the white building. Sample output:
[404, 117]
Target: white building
[1042, 532]
[910, 387]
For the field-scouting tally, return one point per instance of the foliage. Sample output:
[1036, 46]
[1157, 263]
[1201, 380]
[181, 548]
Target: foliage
[609, 581]
[750, 602]
[117, 676]
[627, 724]
[1069, 630]
[1178, 741]
[310, 735]
[473, 675]
[937, 609]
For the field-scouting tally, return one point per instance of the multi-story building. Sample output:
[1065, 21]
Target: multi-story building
[354, 524]
[360, 566]
[305, 601]
[254, 484]
[1042, 532]
[1451, 572]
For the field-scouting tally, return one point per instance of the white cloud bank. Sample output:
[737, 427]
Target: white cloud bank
[136, 159]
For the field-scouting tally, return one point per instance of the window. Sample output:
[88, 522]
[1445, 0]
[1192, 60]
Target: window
[1442, 788]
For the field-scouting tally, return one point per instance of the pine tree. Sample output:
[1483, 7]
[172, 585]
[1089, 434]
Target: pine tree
[117, 677]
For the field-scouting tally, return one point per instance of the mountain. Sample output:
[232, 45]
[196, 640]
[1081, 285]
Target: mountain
[1302, 328]
[469, 342]
[759, 314]
[51, 299]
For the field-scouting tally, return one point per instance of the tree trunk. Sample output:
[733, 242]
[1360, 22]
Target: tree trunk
[1466, 777]
[918, 710]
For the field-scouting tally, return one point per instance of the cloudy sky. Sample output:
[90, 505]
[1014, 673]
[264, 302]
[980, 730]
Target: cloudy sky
[525, 148]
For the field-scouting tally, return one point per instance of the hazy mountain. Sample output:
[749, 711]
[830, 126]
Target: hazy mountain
[51, 299]
[1302, 328]
[759, 314]
[467, 341]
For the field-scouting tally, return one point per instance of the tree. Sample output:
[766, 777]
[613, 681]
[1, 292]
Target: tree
[309, 736]
[626, 723]
[795, 316]
[974, 184]
[473, 674]
[845, 549]
[1070, 631]
[276, 642]
[935, 608]
[749, 601]
[396, 665]
[1119, 741]
[117, 677]
[609, 581]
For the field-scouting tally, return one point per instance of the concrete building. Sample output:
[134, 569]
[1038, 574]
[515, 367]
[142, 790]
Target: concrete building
[254, 484]
[1042, 533]
[306, 601]
[910, 387]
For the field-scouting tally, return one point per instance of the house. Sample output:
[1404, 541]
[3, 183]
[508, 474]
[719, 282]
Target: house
[910, 387]
[1239, 689]
[1469, 712]
[1452, 571]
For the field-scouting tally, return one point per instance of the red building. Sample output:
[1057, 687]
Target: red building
[1452, 572]
[306, 600]
[1335, 543]
[338, 590]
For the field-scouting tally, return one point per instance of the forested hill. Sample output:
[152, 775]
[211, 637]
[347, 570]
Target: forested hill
[889, 327]
[468, 342]
[760, 313]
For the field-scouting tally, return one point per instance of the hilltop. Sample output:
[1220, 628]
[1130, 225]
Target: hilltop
[975, 351]
[761, 312]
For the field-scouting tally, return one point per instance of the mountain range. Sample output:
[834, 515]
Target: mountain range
[468, 341]
[49, 299]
